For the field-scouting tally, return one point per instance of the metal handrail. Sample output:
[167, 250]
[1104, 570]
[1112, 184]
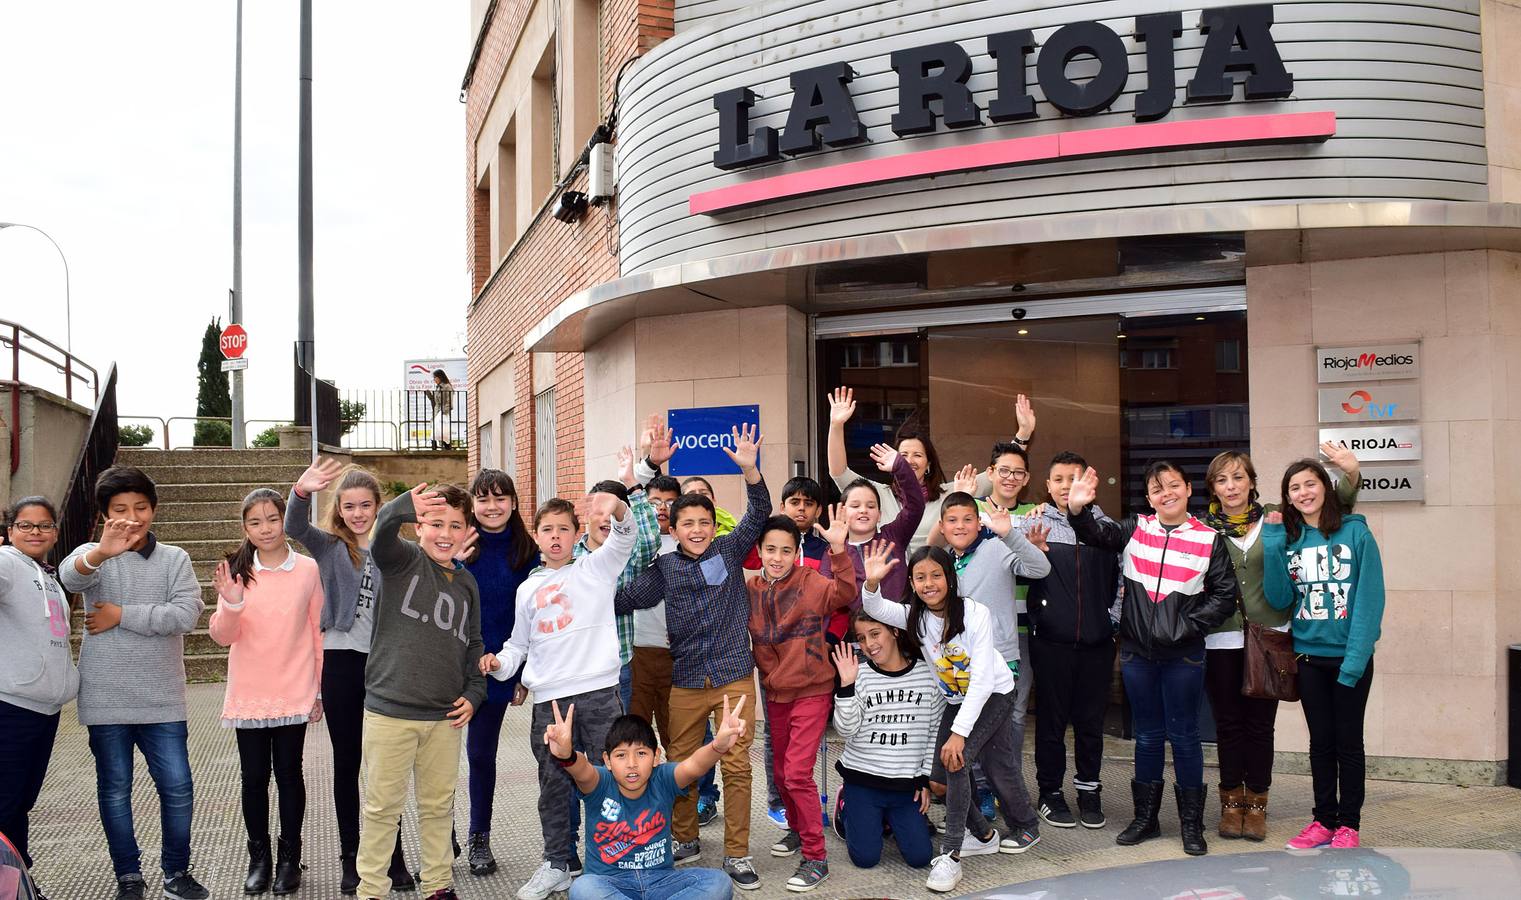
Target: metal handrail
[389, 424]
[163, 426]
[66, 366]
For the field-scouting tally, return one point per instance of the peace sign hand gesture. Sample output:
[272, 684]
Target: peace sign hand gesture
[837, 531]
[845, 661]
[557, 734]
[730, 727]
[878, 561]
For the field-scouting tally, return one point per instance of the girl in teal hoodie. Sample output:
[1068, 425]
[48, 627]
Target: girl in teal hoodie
[1325, 565]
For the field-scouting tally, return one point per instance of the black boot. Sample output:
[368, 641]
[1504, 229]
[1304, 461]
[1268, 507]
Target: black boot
[288, 866]
[401, 878]
[482, 861]
[350, 883]
[258, 867]
[1148, 798]
[1191, 818]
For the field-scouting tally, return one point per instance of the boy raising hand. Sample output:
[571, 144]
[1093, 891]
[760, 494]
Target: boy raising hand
[628, 807]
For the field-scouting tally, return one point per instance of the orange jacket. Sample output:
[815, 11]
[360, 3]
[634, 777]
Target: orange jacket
[788, 622]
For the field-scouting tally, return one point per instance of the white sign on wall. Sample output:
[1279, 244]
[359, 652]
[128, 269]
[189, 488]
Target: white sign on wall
[1397, 442]
[1392, 483]
[1370, 403]
[1367, 362]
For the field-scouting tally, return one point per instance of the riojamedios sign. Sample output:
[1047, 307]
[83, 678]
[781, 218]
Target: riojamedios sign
[1238, 39]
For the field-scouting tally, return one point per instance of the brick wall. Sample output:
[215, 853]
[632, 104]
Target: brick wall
[552, 260]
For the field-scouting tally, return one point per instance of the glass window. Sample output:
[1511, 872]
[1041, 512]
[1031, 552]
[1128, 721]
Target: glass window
[509, 442]
[1228, 356]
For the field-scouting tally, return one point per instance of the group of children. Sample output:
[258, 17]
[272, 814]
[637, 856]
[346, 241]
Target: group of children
[916, 636]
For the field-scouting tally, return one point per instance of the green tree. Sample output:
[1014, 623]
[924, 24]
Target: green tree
[266, 439]
[212, 396]
[134, 435]
[350, 412]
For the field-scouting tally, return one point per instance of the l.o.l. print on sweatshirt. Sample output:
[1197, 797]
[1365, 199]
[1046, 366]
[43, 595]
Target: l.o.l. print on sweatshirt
[1321, 573]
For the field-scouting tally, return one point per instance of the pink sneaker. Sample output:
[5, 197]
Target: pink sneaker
[1345, 839]
[1314, 835]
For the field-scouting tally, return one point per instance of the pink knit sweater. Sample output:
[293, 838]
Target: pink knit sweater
[274, 664]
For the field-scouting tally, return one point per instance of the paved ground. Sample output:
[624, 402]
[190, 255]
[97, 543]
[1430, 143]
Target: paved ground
[73, 864]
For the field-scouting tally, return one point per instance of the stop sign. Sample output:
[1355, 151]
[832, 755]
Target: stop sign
[234, 341]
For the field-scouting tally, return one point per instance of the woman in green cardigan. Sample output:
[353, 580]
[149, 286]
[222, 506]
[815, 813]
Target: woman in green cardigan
[1244, 725]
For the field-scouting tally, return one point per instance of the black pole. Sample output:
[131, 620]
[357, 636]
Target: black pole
[305, 339]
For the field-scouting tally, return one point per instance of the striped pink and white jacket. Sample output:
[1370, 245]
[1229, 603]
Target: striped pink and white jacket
[1179, 583]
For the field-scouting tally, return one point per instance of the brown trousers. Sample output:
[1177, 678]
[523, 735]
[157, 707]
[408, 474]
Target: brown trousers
[690, 711]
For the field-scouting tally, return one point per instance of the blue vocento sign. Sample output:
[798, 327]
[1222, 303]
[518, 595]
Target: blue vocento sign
[702, 433]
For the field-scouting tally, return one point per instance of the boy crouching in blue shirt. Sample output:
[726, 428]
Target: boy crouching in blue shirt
[629, 802]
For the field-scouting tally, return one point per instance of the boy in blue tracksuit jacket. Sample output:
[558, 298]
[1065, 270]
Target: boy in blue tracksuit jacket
[1335, 583]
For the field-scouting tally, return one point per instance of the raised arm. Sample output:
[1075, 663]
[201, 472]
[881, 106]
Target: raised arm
[911, 495]
[390, 552]
[745, 454]
[226, 624]
[843, 590]
[878, 561]
[1338, 455]
[318, 477]
[607, 562]
[842, 405]
[847, 710]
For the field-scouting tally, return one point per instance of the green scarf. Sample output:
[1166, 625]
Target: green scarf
[1232, 525]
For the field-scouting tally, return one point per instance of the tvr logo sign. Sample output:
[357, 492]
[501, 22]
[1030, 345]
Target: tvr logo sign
[1359, 402]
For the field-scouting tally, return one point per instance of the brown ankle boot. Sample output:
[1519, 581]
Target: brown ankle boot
[1232, 805]
[1254, 816]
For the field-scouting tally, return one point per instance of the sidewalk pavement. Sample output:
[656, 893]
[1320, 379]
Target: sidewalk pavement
[72, 863]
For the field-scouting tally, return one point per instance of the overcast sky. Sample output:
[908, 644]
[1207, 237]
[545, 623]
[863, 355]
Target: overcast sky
[118, 142]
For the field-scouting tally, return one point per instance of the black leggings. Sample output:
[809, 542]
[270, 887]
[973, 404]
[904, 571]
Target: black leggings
[343, 704]
[1334, 714]
[279, 749]
[1243, 725]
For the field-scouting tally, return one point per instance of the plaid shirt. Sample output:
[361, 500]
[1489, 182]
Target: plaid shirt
[707, 608]
[646, 545]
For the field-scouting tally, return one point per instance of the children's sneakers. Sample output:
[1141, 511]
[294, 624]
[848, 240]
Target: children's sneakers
[547, 879]
[130, 887]
[707, 810]
[183, 886]
[788, 844]
[1345, 839]
[686, 851]
[1055, 812]
[945, 874]
[972, 845]
[1020, 841]
[986, 805]
[778, 817]
[1314, 835]
[810, 872]
[741, 871]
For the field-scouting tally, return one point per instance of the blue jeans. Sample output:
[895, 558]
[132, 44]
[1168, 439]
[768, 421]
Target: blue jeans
[867, 809]
[1164, 705]
[625, 688]
[163, 748]
[707, 788]
[654, 884]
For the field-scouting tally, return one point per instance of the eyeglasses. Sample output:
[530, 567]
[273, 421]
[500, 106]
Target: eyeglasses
[661, 504]
[39, 527]
[1005, 472]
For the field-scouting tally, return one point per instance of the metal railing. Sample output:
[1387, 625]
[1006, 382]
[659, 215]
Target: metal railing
[77, 516]
[17, 339]
[405, 420]
[358, 434]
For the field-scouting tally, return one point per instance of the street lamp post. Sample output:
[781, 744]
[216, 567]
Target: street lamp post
[68, 311]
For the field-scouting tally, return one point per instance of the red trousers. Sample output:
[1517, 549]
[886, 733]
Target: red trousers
[796, 729]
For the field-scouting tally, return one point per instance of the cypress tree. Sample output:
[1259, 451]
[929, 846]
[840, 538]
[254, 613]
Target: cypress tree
[212, 398]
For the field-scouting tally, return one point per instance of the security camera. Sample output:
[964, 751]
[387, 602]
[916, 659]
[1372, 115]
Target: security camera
[1019, 312]
[571, 206]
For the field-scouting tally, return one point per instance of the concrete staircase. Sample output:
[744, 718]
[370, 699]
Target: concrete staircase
[200, 496]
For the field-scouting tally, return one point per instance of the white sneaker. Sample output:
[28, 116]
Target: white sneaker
[945, 874]
[971, 846]
[545, 881]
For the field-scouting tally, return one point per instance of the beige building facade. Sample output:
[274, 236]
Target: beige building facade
[1159, 284]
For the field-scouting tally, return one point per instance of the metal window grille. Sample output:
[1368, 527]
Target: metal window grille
[509, 442]
[544, 446]
[486, 445]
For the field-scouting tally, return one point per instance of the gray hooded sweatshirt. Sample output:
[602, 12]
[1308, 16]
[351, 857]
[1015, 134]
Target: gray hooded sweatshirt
[37, 669]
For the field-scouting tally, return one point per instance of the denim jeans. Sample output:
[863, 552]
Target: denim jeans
[654, 884]
[1164, 705]
[163, 748]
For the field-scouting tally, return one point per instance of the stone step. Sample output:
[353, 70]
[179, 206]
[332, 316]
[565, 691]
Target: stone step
[263, 473]
[229, 492]
[145, 458]
[197, 510]
[178, 533]
[206, 668]
[208, 551]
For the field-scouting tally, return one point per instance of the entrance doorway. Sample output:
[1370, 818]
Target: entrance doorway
[1121, 390]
